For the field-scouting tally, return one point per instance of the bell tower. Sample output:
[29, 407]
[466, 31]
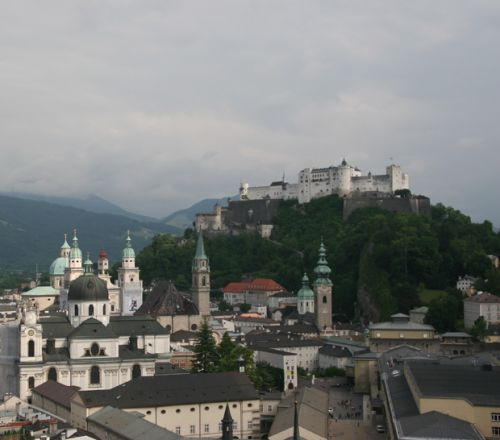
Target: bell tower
[200, 289]
[323, 291]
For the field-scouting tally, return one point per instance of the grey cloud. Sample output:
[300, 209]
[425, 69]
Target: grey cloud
[156, 104]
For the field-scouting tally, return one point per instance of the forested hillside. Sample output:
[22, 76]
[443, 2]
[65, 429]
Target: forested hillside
[379, 260]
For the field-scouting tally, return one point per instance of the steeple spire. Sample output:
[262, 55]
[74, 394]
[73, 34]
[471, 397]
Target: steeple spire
[296, 435]
[322, 270]
[227, 425]
[128, 251]
[200, 248]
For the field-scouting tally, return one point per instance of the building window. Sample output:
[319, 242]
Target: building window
[104, 309]
[250, 424]
[235, 426]
[495, 417]
[95, 375]
[94, 349]
[324, 299]
[52, 374]
[163, 411]
[31, 348]
[31, 382]
[203, 281]
[178, 430]
[112, 307]
[207, 427]
[495, 431]
[91, 310]
[136, 371]
[76, 310]
[192, 429]
[148, 413]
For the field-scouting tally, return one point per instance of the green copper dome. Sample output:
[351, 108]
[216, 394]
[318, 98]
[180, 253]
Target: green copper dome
[65, 245]
[58, 265]
[75, 251]
[200, 248]
[128, 252]
[88, 266]
[322, 270]
[305, 292]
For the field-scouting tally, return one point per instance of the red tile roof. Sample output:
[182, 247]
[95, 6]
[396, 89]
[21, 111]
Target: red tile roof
[255, 285]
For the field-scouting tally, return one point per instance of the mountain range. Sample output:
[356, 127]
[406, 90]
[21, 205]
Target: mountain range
[31, 231]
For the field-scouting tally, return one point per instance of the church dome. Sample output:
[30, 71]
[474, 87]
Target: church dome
[58, 265]
[128, 251]
[305, 292]
[88, 287]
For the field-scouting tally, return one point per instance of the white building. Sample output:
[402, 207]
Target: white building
[466, 284]
[483, 304]
[87, 348]
[284, 360]
[125, 297]
[320, 182]
[190, 405]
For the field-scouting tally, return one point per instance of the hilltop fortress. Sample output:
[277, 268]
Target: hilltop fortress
[342, 180]
[258, 205]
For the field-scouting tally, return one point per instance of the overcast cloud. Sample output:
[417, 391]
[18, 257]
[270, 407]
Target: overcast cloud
[156, 104]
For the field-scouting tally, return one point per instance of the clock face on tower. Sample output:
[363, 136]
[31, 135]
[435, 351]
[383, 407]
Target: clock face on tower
[31, 333]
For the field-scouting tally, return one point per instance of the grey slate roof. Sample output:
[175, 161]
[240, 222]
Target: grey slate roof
[182, 335]
[56, 392]
[136, 325]
[329, 350]
[312, 413]
[92, 329]
[436, 425]
[410, 423]
[127, 425]
[165, 390]
[55, 327]
[476, 384]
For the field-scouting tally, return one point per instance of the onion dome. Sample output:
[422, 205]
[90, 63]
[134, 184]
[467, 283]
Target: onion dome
[128, 252]
[65, 245]
[322, 270]
[305, 292]
[88, 287]
[58, 266]
[103, 255]
[75, 251]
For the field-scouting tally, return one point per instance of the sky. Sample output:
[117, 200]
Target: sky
[155, 105]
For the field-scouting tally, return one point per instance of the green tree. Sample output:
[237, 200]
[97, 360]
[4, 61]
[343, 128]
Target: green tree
[224, 306]
[480, 329]
[245, 308]
[206, 357]
[404, 193]
[445, 313]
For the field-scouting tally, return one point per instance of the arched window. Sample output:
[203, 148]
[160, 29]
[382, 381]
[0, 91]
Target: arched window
[95, 375]
[91, 310]
[31, 382]
[52, 374]
[31, 348]
[104, 309]
[136, 371]
[76, 310]
[324, 300]
[112, 307]
[94, 349]
[203, 281]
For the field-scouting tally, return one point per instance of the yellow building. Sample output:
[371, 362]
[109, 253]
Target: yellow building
[42, 297]
[386, 335]
[469, 393]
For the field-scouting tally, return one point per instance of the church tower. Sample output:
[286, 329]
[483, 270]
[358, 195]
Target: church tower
[75, 266]
[323, 291]
[200, 289]
[305, 297]
[128, 281]
[59, 265]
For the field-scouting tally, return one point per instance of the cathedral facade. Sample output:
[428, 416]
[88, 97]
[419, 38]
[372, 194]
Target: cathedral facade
[86, 345]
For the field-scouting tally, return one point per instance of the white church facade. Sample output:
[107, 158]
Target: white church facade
[87, 346]
[342, 180]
